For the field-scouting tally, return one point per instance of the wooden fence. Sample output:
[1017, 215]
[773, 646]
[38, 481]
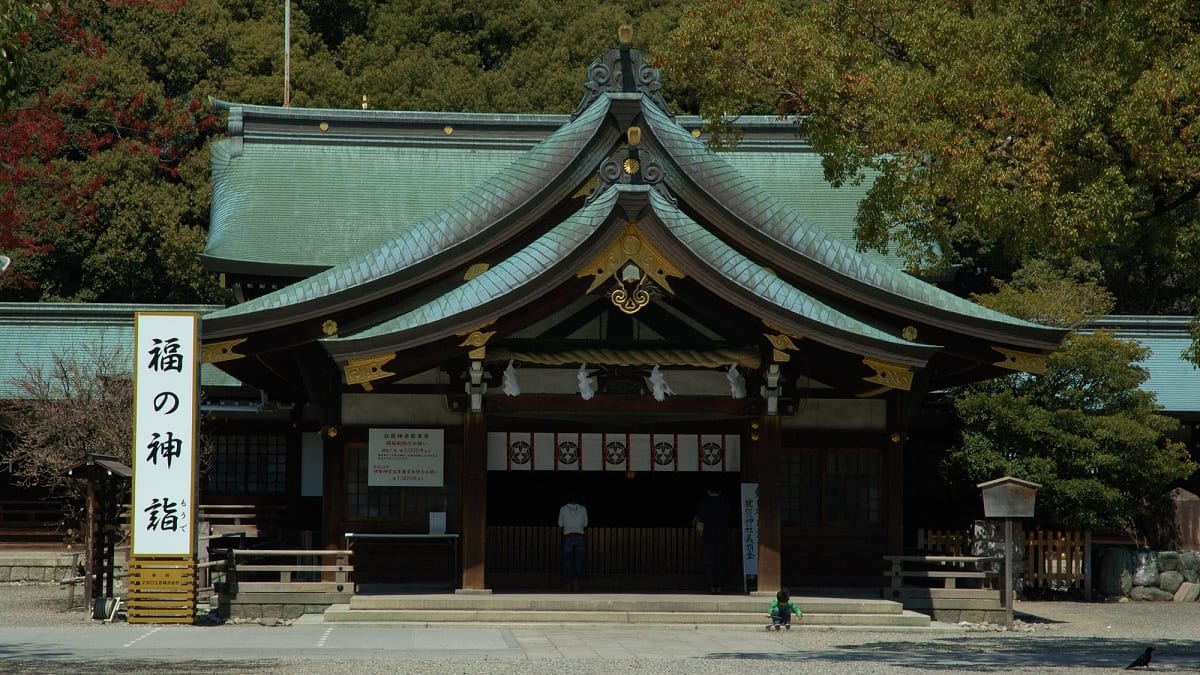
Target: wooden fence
[610, 550]
[31, 524]
[616, 558]
[1051, 560]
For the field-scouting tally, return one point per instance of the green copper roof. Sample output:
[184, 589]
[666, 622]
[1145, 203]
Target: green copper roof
[310, 206]
[1174, 380]
[788, 226]
[34, 334]
[555, 159]
[293, 199]
[515, 275]
[763, 283]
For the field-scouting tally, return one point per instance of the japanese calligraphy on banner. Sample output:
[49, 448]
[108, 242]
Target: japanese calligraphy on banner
[166, 379]
[748, 508]
[406, 457]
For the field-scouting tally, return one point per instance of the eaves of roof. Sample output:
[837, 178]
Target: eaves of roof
[755, 284]
[782, 234]
[505, 288]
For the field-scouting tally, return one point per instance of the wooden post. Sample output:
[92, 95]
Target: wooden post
[474, 503]
[1008, 572]
[770, 534]
[89, 545]
[1087, 566]
[333, 502]
[894, 476]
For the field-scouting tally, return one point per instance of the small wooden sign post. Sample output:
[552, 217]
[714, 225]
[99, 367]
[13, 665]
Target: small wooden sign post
[1008, 498]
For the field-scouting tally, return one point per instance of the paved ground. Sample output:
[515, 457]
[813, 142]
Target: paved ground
[38, 636]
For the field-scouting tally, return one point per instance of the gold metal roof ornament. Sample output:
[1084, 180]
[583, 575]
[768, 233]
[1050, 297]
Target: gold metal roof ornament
[367, 369]
[635, 265]
[1025, 362]
[217, 352]
[890, 375]
[475, 337]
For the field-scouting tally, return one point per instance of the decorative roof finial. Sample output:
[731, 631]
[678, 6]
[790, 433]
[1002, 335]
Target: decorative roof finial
[622, 70]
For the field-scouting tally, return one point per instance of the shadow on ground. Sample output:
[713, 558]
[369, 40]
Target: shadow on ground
[1000, 654]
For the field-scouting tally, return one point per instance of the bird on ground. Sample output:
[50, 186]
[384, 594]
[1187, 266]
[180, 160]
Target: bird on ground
[1142, 661]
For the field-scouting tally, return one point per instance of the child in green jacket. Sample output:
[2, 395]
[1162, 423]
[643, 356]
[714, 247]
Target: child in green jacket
[782, 610]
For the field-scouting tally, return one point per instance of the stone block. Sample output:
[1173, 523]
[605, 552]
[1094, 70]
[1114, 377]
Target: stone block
[272, 611]
[291, 612]
[1170, 581]
[247, 611]
[1145, 568]
[1189, 564]
[1168, 561]
[5, 573]
[1188, 592]
[1150, 593]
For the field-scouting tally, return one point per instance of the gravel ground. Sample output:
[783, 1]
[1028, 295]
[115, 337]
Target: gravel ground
[1063, 638]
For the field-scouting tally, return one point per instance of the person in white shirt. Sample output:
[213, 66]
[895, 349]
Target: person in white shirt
[573, 519]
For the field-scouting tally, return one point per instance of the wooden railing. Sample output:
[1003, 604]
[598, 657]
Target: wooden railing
[250, 520]
[1053, 560]
[283, 571]
[949, 569]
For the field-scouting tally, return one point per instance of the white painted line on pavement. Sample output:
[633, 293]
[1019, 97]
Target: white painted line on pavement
[143, 636]
[324, 637]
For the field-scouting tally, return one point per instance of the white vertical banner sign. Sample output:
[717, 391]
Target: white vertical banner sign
[166, 380]
[748, 513]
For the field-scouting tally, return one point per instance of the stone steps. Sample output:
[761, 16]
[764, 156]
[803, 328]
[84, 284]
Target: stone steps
[615, 609]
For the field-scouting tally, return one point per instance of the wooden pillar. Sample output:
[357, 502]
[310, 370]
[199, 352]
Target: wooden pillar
[893, 460]
[474, 503]
[770, 531]
[333, 488]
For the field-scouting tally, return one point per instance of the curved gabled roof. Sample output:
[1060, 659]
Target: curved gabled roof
[712, 186]
[557, 164]
[505, 287]
[812, 317]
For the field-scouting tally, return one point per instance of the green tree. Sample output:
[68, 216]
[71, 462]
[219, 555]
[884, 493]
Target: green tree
[490, 55]
[1084, 429]
[994, 133]
[16, 18]
[104, 185]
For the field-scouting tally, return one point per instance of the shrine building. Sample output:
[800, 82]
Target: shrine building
[475, 316]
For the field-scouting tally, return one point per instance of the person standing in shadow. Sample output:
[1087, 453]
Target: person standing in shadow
[573, 519]
[712, 522]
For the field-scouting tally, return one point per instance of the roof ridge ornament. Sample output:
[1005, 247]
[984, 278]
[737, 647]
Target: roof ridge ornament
[630, 165]
[622, 70]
